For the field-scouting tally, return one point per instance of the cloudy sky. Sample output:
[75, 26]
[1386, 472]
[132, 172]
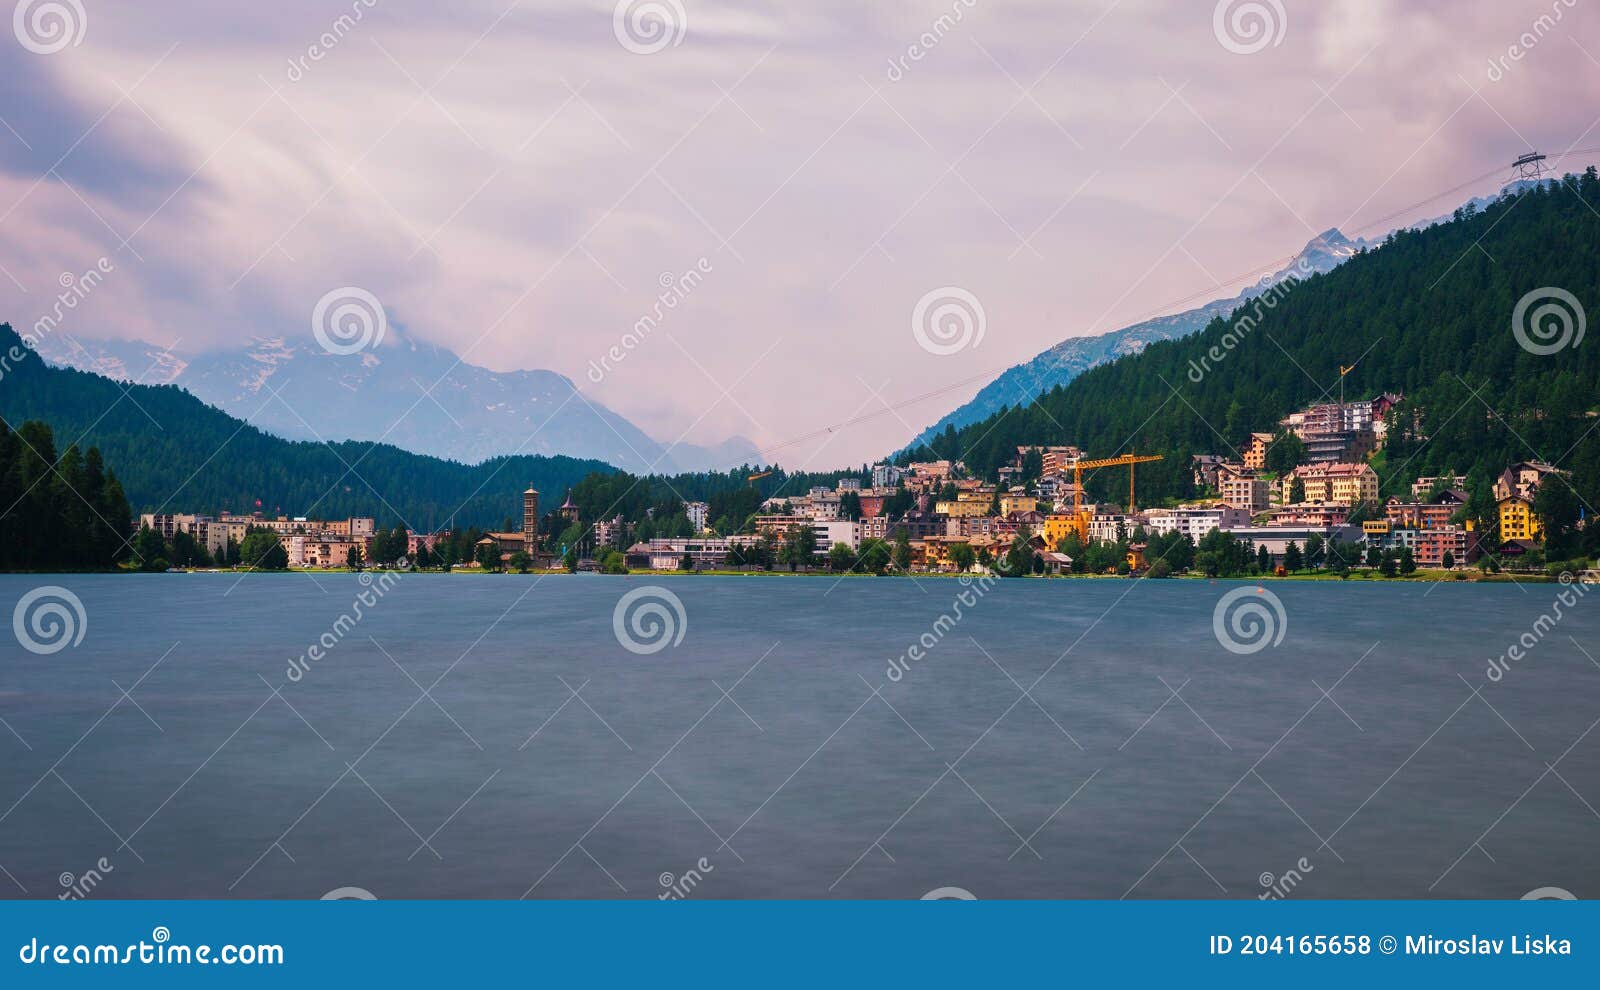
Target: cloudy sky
[516, 180]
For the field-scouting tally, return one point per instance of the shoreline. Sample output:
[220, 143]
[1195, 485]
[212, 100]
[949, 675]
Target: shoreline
[1458, 576]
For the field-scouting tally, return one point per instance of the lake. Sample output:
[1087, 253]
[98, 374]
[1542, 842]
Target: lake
[470, 736]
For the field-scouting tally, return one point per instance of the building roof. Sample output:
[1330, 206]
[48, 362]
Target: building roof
[1340, 470]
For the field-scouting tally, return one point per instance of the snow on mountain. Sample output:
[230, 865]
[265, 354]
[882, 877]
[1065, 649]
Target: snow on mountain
[124, 360]
[412, 395]
[1022, 383]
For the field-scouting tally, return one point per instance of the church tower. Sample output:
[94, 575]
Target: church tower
[530, 521]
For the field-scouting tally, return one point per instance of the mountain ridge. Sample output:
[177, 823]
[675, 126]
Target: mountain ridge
[1022, 383]
[1062, 362]
[418, 396]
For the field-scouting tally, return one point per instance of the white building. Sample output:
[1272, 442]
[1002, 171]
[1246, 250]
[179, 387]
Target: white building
[1196, 522]
[1106, 527]
[886, 475]
[610, 532]
[833, 531]
[667, 555]
[1277, 538]
[697, 512]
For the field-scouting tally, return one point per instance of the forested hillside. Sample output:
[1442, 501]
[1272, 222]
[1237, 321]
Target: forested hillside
[174, 452]
[1428, 314]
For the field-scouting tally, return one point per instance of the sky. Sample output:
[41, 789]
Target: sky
[879, 199]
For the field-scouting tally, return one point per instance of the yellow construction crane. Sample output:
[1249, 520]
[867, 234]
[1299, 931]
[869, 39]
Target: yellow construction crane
[1080, 519]
[757, 477]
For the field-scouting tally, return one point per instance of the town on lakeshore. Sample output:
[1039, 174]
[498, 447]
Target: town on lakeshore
[1301, 501]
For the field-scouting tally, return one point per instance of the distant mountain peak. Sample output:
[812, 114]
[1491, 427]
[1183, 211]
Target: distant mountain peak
[469, 414]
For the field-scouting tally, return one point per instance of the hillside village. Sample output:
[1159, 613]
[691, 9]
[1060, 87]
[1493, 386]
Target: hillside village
[1305, 498]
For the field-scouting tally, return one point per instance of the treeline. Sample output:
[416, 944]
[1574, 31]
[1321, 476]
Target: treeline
[61, 511]
[1428, 314]
[655, 505]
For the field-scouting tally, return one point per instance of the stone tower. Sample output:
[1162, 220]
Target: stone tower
[530, 521]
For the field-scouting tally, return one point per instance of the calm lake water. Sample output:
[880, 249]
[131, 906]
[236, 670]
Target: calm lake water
[769, 752]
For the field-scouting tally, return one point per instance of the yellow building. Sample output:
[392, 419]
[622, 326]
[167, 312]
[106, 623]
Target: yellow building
[1517, 521]
[1017, 503]
[1057, 525]
[962, 508]
[1343, 484]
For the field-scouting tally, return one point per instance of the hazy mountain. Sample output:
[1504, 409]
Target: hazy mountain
[1022, 383]
[297, 390]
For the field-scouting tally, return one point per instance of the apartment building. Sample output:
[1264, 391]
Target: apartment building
[1255, 451]
[1241, 488]
[698, 513]
[1195, 521]
[1518, 521]
[1425, 515]
[1350, 484]
[1432, 544]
